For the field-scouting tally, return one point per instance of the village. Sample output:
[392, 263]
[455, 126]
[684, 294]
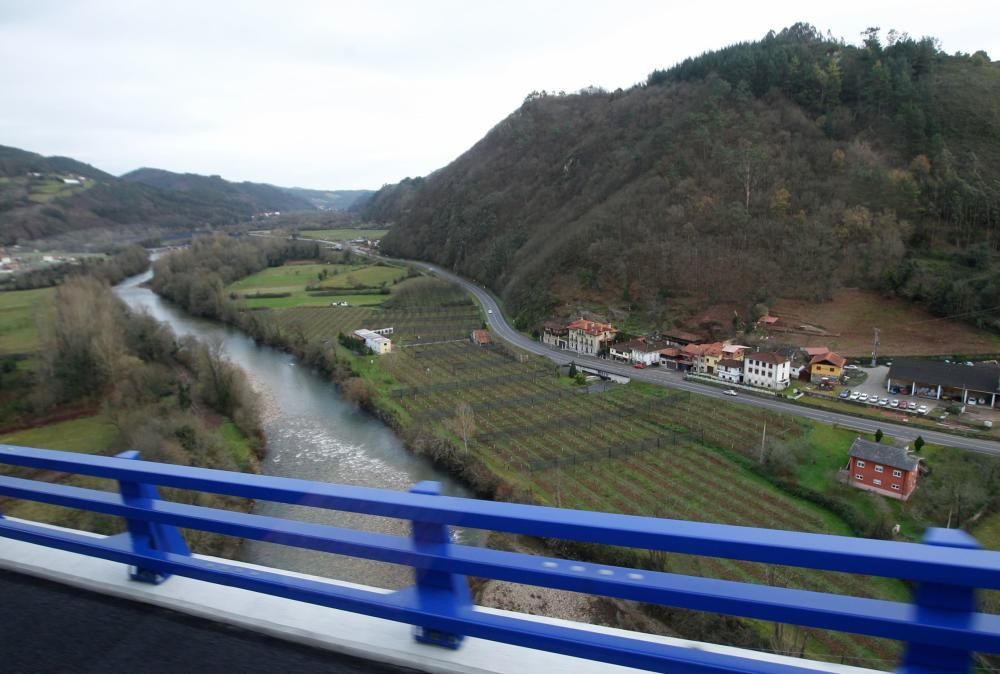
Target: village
[907, 387]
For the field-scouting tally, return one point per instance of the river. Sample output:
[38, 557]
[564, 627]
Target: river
[312, 433]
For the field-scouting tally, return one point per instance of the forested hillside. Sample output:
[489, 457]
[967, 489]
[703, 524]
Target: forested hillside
[47, 196]
[246, 197]
[787, 167]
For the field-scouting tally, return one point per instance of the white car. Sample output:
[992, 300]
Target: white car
[863, 397]
[922, 409]
[489, 311]
[730, 392]
[851, 367]
[883, 402]
[893, 403]
[856, 396]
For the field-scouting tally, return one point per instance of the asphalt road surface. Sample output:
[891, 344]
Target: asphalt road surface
[52, 628]
[498, 322]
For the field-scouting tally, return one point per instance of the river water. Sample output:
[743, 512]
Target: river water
[312, 433]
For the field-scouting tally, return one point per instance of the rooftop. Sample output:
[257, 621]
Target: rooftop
[888, 455]
[591, 327]
[766, 357]
[977, 377]
[829, 357]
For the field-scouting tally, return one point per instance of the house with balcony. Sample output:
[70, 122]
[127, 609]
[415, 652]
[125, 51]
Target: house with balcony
[589, 337]
[767, 370]
[884, 469]
[730, 370]
[555, 334]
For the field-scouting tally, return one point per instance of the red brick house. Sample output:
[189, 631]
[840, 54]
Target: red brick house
[884, 469]
[481, 337]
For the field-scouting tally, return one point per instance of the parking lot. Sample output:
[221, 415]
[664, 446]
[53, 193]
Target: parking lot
[874, 387]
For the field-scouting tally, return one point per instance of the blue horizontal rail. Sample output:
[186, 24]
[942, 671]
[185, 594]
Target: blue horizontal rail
[944, 623]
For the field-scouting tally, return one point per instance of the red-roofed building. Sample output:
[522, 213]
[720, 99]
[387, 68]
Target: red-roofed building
[481, 337]
[589, 337]
[827, 364]
[704, 357]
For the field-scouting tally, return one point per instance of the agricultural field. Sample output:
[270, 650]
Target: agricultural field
[21, 311]
[342, 234]
[631, 449]
[319, 285]
[413, 320]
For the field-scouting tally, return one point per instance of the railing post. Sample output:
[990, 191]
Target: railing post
[437, 591]
[147, 535]
[937, 600]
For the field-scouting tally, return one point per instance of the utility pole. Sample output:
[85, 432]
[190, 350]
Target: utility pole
[763, 440]
[875, 348]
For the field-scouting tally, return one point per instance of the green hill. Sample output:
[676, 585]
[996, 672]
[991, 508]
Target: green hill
[214, 192]
[786, 167]
[48, 196]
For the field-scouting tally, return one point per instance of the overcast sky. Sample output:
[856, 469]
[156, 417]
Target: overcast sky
[353, 95]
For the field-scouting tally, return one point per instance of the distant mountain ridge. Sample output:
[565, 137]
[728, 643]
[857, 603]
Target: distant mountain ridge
[258, 197]
[49, 196]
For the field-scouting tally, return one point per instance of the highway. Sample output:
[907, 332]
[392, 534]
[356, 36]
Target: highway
[663, 377]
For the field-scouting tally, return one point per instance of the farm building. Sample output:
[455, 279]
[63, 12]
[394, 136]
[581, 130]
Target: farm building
[945, 381]
[374, 341]
[682, 338]
[884, 469]
[481, 337]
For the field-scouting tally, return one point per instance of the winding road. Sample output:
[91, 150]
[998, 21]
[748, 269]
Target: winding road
[498, 323]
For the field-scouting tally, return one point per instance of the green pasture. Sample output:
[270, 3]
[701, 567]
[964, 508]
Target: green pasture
[342, 234]
[21, 312]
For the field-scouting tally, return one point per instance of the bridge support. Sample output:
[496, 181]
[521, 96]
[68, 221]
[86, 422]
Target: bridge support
[145, 535]
[436, 591]
[938, 602]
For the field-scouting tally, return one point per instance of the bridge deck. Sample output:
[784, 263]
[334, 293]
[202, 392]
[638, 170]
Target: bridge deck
[48, 627]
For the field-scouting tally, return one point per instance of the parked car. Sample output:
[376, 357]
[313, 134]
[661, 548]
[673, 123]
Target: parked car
[969, 363]
[922, 409]
[856, 395]
[640, 366]
[883, 402]
[972, 401]
[912, 405]
[846, 393]
[730, 392]
[893, 403]
[851, 367]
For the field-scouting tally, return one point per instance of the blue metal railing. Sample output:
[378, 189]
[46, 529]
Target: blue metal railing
[942, 629]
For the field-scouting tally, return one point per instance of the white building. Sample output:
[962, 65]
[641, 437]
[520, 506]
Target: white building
[589, 336]
[730, 369]
[766, 370]
[375, 341]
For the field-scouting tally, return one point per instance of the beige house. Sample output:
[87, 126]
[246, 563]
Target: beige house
[589, 337]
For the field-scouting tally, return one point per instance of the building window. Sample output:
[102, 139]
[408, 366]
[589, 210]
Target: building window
[896, 487]
[859, 476]
[897, 473]
[859, 463]
[877, 483]
[878, 468]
